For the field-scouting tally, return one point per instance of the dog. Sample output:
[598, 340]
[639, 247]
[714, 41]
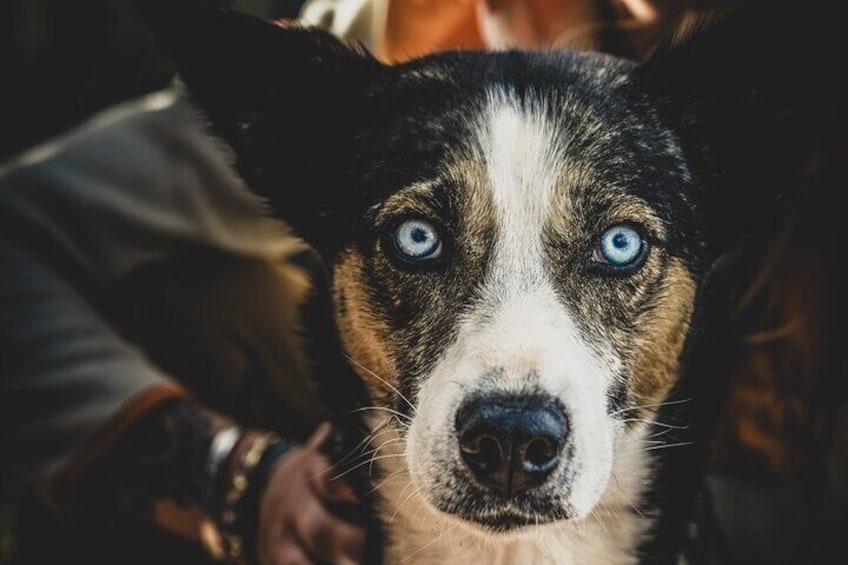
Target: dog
[519, 249]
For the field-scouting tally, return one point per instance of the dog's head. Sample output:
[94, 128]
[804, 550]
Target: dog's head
[520, 275]
[512, 237]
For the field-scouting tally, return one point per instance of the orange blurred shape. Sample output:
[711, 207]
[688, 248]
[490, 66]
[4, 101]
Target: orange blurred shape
[419, 27]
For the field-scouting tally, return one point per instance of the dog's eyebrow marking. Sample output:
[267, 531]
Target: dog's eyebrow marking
[627, 208]
[417, 198]
[617, 207]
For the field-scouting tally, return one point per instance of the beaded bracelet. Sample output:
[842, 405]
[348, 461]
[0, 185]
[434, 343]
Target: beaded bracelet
[238, 509]
[238, 468]
[247, 508]
[232, 535]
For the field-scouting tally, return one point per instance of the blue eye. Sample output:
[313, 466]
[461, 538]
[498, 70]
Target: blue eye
[417, 240]
[620, 247]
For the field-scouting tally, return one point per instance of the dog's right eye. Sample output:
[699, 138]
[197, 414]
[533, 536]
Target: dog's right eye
[416, 240]
[621, 250]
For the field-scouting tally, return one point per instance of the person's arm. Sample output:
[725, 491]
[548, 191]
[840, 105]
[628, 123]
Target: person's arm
[66, 375]
[91, 424]
[86, 418]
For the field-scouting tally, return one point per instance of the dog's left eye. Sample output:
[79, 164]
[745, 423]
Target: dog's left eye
[417, 240]
[620, 248]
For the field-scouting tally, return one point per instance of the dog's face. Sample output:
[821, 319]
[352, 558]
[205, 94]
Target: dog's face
[522, 277]
[513, 247]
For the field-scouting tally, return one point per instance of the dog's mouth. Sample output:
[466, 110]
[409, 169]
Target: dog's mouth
[508, 521]
[462, 497]
[508, 518]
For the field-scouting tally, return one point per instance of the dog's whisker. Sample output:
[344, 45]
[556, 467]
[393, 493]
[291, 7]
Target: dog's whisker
[663, 446]
[365, 452]
[656, 405]
[384, 409]
[383, 428]
[363, 444]
[362, 464]
[376, 451]
[647, 439]
[382, 380]
[434, 540]
[403, 425]
[389, 442]
[358, 453]
[655, 423]
[385, 481]
[660, 433]
[360, 458]
[670, 445]
[403, 499]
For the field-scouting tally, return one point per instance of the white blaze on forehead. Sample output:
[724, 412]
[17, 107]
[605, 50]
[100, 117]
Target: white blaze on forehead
[521, 320]
[522, 152]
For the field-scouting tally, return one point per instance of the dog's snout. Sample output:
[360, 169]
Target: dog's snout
[511, 444]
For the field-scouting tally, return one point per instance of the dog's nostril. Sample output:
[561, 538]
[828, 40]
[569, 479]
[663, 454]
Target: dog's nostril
[540, 453]
[485, 450]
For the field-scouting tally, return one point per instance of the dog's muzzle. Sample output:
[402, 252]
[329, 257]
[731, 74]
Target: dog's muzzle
[511, 444]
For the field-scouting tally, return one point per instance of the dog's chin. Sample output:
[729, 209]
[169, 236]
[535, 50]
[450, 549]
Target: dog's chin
[509, 522]
[490, 516]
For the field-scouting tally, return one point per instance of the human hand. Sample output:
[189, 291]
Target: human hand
[294, 523]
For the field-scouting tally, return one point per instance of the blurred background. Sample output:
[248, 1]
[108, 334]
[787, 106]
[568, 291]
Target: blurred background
[62, 61]
[780, 473]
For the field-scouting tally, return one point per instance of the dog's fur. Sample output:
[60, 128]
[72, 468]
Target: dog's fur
[521, 161]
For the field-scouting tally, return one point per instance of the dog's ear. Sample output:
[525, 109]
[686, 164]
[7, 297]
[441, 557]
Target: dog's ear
[288, 100]
[749, 95]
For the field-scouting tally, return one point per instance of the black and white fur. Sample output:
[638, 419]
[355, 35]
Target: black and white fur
[522, 160]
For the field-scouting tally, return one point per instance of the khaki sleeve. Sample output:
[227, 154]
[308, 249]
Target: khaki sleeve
[70, 384]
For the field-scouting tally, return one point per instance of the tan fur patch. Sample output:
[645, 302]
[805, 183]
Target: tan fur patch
[662, 332]
[363, 335]
[415, 199]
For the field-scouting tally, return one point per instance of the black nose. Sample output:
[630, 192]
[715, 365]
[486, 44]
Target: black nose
[511, 444]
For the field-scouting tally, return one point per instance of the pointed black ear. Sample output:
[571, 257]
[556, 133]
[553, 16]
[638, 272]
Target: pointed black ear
[289, 101]
[749, 96]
